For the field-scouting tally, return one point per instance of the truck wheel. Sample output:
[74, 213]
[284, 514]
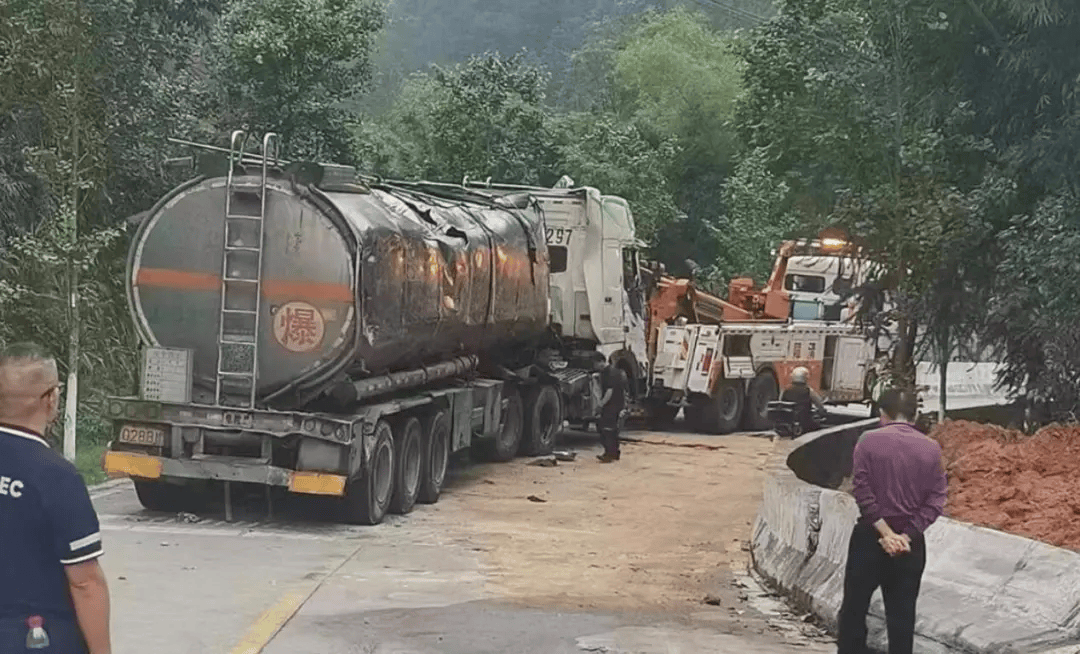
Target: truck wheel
[721, 414]
[544, 421]
[504, 447]
[694, 414]
[662, 416]
[763, 390]
[367, 496]
[436, 450]
[160, 496]
[408, 456]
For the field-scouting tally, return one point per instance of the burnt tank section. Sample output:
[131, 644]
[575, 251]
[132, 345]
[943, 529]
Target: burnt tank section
[354, 283]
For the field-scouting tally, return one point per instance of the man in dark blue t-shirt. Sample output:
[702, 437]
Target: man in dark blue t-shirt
[53, 587]
[612, 405]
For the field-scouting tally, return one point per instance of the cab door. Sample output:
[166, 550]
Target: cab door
[610, 329]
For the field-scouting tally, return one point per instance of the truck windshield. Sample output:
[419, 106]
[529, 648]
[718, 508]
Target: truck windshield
[805, 283]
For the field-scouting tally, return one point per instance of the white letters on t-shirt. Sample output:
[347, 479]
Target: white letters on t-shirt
[11, 487]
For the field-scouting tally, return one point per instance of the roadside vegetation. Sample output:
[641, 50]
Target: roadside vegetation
[941, 133]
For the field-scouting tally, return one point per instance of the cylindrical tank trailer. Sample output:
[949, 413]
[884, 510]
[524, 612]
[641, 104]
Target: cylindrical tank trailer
[351, 284]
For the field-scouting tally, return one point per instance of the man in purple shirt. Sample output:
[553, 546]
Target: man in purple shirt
[900, 487]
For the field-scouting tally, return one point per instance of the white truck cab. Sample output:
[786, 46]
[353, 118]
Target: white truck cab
[820, 277]
[596, 287]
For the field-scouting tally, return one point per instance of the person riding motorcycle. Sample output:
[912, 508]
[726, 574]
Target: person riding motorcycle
[804, 399]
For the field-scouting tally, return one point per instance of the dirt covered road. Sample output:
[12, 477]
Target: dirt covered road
[652, 532]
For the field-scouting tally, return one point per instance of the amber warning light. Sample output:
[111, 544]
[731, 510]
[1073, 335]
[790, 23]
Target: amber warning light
[166, 375]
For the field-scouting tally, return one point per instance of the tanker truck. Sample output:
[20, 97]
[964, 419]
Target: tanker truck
[311, 331]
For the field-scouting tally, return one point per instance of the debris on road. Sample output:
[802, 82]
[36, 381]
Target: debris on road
[713, 600]
[534, 498]
[1005, 480]
[544, 462]
[563, 455]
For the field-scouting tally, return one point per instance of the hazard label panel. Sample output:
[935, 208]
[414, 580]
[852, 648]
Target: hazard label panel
[299, 327]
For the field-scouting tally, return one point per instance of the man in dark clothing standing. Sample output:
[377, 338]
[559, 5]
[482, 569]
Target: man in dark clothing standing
[900, 487]
[612, 405]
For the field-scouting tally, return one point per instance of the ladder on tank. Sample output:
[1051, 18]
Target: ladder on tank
[241, 275]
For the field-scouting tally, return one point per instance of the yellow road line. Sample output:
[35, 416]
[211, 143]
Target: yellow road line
[274, 619]
[263, 630]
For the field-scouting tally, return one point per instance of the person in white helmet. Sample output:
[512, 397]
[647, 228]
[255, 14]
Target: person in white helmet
[803, 397]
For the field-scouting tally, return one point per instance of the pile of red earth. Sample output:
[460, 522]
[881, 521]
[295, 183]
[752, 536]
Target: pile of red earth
[1006, 480]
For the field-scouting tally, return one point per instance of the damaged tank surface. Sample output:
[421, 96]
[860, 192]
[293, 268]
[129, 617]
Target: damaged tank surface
[353, 283]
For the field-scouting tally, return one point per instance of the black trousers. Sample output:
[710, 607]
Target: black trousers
[868, 567]
[609, 434]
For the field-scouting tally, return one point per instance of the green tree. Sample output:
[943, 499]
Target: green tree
[676, 77]
[621, 159]
[49, 72]
[856, 105]
[485, 118]
[759, 219]
[294, 67]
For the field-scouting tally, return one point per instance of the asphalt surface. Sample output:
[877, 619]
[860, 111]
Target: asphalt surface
[196, 584]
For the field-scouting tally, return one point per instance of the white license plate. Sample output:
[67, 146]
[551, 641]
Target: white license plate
[142, 435]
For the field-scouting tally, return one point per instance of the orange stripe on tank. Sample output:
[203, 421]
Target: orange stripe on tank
[284, 290]
[271, 288]
[178, 279]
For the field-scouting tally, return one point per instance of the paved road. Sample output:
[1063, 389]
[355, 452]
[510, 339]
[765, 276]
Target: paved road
[186, 584]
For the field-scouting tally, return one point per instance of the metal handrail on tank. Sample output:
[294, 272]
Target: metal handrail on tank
[268, 138]
[235, 157]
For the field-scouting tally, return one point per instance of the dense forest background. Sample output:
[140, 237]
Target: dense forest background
[942, 133]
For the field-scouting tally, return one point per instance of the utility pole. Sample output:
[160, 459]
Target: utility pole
[71, 403]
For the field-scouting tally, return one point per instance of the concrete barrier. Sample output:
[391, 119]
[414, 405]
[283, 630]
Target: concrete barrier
[968, 385]
[983, 591]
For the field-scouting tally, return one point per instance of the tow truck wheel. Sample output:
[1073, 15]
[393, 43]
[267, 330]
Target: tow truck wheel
[662, 416]
[367, 496]
[504, 446]
[543, 423]
[160, 496]
[721, 414]
[763, 390]
[436, 450]
[408, 456]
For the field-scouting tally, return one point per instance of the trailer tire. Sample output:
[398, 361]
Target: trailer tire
[763, 389]
[504, 446]
[367, 496]
[436, 450]
[161, 496]
[722, 412]
[544, 421]
[408, 457]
